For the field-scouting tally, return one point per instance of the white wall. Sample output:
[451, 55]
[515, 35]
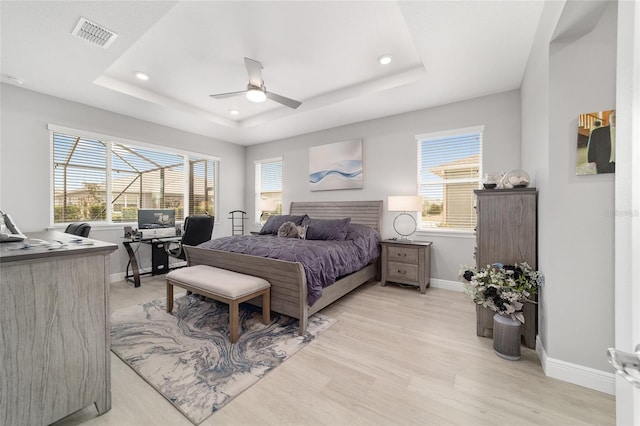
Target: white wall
[390, 162]
[584, 226]
[535, 137]
[564, 79]
[25, 159]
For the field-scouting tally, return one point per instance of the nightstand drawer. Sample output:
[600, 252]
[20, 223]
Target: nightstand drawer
[403, 254]
[403, 272]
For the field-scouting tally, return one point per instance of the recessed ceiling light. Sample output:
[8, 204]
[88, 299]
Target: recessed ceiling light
[384, 59]
[234, 112]
[141, 75]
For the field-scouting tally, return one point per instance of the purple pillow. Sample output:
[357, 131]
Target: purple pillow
[275, 222]
[326, 229]
[356, 230]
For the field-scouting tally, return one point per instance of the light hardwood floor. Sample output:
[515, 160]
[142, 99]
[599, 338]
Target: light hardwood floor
[394, 357]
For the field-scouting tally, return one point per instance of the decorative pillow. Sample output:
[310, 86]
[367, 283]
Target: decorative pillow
[302, 232]
[356, 230]
[288, 230]
[326, 229]
[275, 222]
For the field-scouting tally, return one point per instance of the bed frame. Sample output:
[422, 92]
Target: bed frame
[288, 280]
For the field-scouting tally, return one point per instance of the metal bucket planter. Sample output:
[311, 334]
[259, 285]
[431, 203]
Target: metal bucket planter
[506, 337]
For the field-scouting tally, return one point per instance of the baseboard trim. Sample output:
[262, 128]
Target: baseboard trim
[446, 284]
[577, 374]
[116, 277]
[119, 276]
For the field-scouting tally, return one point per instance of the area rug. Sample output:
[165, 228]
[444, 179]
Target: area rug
[187, 357]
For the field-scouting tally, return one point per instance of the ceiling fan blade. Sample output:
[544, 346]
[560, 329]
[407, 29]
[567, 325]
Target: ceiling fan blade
[254, 69]
[284, 101]
[227, 95]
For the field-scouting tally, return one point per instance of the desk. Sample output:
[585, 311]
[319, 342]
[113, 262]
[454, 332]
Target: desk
[159, 258]
[54, 322]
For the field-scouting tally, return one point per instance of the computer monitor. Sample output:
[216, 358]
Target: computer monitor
[154, 223]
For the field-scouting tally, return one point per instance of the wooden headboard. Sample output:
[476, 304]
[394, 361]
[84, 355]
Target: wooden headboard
[363, 212]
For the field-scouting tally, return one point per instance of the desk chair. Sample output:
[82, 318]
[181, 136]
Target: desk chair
[80, 229]
[196, 229]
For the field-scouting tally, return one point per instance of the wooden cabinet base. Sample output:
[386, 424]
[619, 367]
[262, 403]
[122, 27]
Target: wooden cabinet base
[54, 313]
[507, 234]
[406, 262]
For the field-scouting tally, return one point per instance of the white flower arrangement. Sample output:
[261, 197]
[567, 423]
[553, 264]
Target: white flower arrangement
[502, 288]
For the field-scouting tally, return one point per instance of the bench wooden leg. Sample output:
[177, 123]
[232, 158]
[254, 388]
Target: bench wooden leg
[266, 306]
[234, 319]
[169, 297]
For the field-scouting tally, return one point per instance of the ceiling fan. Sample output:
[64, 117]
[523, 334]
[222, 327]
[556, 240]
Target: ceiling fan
[256, 90]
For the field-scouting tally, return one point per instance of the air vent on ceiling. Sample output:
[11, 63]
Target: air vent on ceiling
[94, 33]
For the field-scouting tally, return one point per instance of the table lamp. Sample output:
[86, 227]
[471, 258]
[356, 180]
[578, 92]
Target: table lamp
[405, 224]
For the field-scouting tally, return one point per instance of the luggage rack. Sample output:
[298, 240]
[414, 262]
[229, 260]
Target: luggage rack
[237, 221]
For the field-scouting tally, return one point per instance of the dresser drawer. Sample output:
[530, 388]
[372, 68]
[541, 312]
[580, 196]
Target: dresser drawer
[403, 272]
[403, 254]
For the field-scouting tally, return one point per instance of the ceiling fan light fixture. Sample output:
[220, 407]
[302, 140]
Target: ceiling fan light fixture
[256, 90]
[256, 95]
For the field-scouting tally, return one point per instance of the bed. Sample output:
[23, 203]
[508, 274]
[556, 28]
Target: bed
[288, 279]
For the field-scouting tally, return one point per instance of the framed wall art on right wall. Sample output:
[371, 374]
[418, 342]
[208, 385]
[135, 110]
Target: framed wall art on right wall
[596, 147]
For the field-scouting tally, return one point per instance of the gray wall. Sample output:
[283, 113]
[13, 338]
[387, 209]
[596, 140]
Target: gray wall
[390, 162]
[565, 78]
[25, 182]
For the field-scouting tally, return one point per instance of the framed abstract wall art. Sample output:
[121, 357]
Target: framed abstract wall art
[336, 166]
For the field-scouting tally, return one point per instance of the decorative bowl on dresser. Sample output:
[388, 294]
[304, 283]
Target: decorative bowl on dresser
[406, 262]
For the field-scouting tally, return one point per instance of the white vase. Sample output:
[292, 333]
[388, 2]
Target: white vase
[506, 337]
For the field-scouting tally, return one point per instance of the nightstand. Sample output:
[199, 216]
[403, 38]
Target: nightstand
[406, 262]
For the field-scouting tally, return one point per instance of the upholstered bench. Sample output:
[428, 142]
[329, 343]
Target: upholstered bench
[222, 285]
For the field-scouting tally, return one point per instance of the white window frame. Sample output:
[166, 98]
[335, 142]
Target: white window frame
[424, 230]
[257, 167]
[109, 140]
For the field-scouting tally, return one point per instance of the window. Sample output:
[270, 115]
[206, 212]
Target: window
[201, 186]
[98, 180]
[268, 188]
[449, 166]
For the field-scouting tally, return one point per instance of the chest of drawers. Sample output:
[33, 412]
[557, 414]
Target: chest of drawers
[507, 233]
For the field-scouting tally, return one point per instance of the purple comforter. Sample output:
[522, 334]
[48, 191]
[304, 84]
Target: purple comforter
[324, 261]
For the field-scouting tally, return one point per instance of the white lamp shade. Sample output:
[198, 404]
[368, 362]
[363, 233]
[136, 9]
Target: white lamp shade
[404, 203]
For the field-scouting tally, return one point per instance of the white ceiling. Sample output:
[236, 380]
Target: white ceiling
[321, 53]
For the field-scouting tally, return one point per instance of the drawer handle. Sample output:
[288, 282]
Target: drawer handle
[401, 272]
[402, 254]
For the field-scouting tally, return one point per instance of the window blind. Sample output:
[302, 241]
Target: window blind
[134, 177]
[448, 172]
[79, 179]
[268, 188]
[201, 186]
